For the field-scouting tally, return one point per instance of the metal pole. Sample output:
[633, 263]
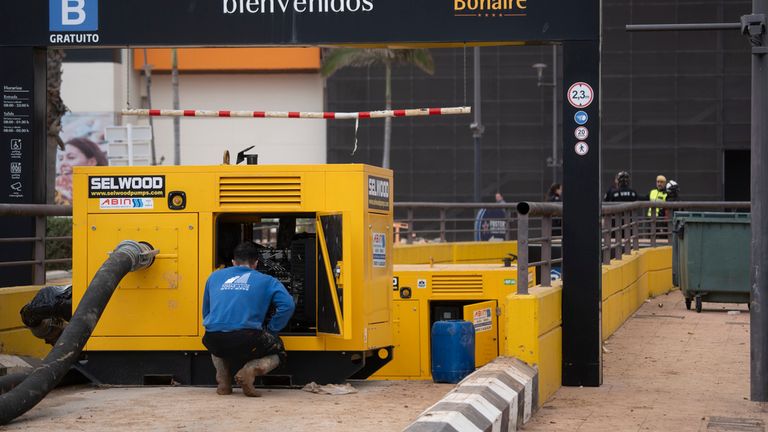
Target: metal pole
[625, 221]
[619, 220]
[546, 251]
[40, 225]
[635, 233]
[442, 224]
[148, 74]
[683, 27]
[555, 89]
[607, 239]
[477, 127]
[409, 240]
[176, 120]
[522, 254]
[759, 190]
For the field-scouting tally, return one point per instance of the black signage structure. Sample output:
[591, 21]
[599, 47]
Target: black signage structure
[22, 151]
[293, 22]
[576, 24]
[582, 276]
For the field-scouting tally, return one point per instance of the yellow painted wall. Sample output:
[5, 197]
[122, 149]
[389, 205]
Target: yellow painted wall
[14, 337]
[534, 321]
[535, 335]
[629, 282]
[456, 253]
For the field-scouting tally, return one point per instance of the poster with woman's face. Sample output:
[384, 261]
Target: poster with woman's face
[84, 145]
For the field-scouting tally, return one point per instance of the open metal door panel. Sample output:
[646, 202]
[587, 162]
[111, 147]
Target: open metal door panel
[330, 286]
[483, 316]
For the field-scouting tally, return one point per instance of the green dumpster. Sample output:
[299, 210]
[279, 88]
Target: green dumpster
[713, 257]
[676, 225]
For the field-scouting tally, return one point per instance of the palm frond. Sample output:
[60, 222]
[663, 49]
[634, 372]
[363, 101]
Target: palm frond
[338, 58]
[422, 59]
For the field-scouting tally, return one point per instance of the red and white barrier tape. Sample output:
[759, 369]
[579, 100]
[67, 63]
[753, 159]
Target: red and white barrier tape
[420, 112]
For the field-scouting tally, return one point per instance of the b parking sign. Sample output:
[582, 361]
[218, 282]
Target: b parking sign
[73, 15]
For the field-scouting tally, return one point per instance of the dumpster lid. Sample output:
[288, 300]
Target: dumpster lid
[719, 217]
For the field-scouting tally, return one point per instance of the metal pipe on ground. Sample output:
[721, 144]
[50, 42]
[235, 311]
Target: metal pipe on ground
[128, 256]
[540, 209]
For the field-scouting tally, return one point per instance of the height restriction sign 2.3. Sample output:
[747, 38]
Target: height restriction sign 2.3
[580, 95]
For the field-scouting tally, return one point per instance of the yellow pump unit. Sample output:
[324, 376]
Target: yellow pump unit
[325, 233]
[424, 293]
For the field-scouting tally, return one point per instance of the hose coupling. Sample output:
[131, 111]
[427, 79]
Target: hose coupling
[142, 254]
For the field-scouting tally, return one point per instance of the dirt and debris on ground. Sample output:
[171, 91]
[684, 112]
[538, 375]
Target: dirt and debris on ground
[666, 370]
[330, 389]
[378, 405]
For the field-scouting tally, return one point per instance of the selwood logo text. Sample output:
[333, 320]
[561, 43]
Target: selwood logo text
[296, 6]
[126, 186]
[490, 8]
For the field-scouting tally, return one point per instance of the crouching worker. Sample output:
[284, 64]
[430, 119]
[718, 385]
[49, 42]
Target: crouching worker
[235, 306]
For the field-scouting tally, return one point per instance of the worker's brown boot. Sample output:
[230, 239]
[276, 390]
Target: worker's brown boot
[247, 375]
[223, 377]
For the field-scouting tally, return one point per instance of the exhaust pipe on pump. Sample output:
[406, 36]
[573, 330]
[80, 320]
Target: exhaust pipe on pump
[127, 257]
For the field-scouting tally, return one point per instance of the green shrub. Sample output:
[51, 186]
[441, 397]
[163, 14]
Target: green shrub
[59, 226]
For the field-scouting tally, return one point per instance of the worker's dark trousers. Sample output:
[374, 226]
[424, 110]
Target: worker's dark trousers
[240, 346]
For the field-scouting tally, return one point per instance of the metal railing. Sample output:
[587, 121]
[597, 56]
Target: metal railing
[40, 212]
[536, 226]
[448, 222]
[626, 227]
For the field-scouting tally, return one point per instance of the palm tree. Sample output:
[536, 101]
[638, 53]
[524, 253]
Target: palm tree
[339, 58]
[55, 110]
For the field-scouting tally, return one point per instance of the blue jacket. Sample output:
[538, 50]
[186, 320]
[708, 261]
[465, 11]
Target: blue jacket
[239, 298]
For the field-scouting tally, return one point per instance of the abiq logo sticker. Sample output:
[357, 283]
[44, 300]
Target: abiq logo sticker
[70, 20]
[126, 203]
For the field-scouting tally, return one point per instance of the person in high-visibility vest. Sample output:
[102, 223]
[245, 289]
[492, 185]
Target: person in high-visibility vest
[658, 194]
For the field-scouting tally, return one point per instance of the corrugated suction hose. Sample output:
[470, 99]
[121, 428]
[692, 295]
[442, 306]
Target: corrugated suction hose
[128, 256]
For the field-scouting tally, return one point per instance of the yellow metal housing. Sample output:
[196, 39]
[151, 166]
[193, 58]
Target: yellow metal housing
[425, 293]
[160, 308]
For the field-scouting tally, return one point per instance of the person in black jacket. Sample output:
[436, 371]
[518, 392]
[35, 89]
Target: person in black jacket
[622, 191]
[555, 194]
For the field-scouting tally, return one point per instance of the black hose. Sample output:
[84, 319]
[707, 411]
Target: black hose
[128, 256]
[8, 382]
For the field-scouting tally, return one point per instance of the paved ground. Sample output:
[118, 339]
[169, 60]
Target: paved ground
[666, 369]
[379, 406]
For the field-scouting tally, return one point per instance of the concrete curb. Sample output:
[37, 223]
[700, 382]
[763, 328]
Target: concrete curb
[17, 364]
[499, 397]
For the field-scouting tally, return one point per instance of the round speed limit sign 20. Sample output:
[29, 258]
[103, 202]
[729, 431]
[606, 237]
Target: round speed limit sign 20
[580, 95]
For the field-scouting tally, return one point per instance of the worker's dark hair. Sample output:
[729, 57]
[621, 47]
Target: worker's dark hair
[622, 178]
[246, 252]
[554, 188]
